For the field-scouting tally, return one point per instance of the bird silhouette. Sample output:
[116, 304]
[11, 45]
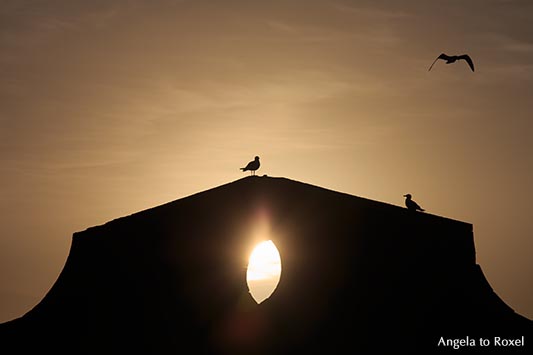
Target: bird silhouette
[453, 59]
[412, 205]
[252, 166]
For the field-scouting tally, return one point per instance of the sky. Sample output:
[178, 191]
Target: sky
[263, 271]
[109, 108]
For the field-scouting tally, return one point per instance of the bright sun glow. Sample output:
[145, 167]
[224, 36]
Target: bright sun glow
[264, 270]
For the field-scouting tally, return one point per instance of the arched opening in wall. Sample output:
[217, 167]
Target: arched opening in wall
[264, 270]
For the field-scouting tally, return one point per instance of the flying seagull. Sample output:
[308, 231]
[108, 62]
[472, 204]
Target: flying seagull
[412, 205]
[453, 59]
[252, 166]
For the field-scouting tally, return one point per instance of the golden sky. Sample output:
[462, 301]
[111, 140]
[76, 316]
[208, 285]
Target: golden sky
[108, 108]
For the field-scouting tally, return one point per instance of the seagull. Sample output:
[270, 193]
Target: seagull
[252, 166]
[412, 205]
[453, 59]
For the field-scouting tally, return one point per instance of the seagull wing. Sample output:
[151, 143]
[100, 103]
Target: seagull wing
[441, 56]
[467, 58]
[253, 165]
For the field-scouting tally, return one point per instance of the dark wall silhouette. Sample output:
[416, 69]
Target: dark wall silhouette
[357, 275]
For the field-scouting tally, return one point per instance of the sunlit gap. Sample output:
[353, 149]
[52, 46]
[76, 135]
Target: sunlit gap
[264, 270]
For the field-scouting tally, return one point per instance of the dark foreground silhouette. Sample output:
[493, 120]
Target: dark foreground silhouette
[358, 277]
[453, 58]
[411, 204]
[252, 166]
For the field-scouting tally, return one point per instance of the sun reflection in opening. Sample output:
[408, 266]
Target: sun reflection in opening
[264, 270]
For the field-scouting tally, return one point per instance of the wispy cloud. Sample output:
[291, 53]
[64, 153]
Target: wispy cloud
[372, 11]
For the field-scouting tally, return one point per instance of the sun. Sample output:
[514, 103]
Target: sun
[264, 270]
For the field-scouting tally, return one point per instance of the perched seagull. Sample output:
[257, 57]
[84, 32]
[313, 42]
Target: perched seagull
[412, 205]
[453, 59]
[252, 166]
